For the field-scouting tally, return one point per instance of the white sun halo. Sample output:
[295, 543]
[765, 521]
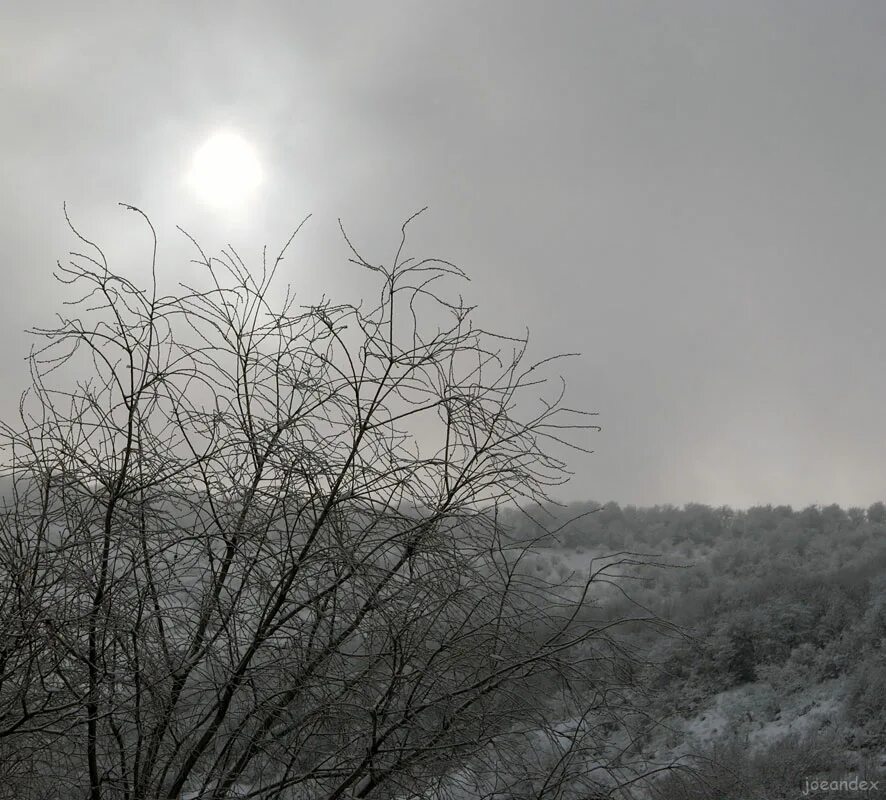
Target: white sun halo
[225, 171]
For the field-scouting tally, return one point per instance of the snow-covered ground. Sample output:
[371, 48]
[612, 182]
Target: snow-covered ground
[756, 716]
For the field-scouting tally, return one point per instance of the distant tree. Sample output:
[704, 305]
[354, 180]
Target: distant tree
[856, 516]
[256, 550]
[700, 523]
[810, 518]
[834, 519]
[761, 519]
[877, 513]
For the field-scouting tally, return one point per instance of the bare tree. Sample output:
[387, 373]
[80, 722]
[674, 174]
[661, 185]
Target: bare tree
[256, 551]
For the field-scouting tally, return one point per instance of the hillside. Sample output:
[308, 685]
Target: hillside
[776, 674]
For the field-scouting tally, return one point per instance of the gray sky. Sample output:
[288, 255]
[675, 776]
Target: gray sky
[693, 195]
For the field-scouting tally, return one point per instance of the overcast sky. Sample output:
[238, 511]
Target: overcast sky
[692, 195]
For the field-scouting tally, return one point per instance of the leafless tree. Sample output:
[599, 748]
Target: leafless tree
[256, 551]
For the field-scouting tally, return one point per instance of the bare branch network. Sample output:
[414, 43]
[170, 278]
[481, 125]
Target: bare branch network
[257, 551]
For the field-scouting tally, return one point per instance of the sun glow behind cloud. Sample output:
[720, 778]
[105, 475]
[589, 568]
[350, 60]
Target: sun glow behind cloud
[225, 172]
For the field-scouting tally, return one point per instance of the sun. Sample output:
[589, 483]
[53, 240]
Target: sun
[225, 171]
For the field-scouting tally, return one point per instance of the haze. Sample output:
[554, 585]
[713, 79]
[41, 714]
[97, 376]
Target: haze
[692, 195]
